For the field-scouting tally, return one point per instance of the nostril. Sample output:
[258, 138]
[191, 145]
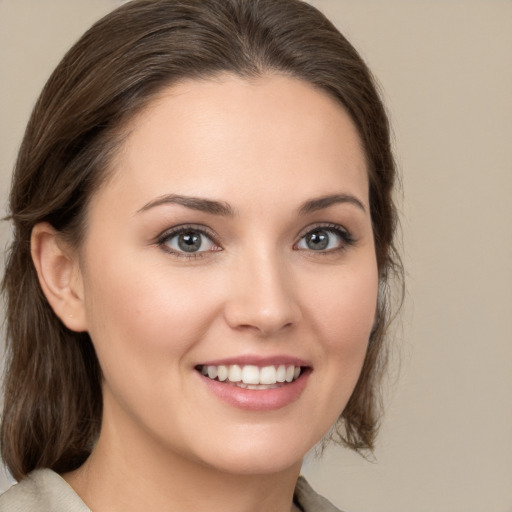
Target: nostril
[262, 324]
[262, 298]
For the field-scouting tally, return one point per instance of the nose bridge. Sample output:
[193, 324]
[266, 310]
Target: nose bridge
[262, 295]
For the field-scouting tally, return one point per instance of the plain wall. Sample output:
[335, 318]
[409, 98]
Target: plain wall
[445, 69]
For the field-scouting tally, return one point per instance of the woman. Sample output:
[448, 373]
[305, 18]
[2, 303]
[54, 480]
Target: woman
[203, 238]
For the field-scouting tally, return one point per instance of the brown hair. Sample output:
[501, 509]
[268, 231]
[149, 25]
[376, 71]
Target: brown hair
[53, 402]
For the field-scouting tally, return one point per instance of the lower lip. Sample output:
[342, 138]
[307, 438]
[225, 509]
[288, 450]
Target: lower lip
[258, 399]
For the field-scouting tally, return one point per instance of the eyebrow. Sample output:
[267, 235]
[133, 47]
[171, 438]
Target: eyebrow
[224, 209]
[325, 201]
[194, 203]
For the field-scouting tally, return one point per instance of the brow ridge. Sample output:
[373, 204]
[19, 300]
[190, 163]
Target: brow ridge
[320, 203]
[194, 203]
[225, 209]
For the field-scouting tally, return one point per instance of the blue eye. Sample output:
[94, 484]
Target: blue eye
[324, 239]
[188, 241]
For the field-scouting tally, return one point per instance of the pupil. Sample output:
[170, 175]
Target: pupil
[189, 242]
[318, 240]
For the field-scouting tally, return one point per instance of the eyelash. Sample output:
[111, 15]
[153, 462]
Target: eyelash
[162, 241]
[165, 237]
[346, 238]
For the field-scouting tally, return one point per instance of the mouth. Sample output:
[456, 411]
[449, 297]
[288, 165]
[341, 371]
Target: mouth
[251, 376]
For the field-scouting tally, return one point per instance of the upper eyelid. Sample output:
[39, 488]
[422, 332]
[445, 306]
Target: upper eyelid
[176, 230]
[205, 230]
[168, 234]
[323, 225]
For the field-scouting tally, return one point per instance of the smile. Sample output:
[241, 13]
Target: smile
[251, 376]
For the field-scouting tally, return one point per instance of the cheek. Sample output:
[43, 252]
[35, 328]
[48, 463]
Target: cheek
[345, 307]
[145, 316]
[144, 326]
[344, 314]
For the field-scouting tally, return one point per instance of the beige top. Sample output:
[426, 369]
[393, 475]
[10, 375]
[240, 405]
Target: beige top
[45, 491]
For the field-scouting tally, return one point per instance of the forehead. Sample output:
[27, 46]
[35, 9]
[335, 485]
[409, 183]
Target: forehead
[204, 137]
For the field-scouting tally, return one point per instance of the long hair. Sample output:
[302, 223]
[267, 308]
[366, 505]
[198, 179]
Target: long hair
[53, 403]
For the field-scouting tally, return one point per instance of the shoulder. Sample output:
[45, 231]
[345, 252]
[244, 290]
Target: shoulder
[309, 501]
[42, 490]
[45, 491]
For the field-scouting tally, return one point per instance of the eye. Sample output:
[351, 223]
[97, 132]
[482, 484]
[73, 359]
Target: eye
[188, 241]
[325, 239]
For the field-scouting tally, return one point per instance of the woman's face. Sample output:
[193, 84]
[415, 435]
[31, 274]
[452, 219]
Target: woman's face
[234, 239]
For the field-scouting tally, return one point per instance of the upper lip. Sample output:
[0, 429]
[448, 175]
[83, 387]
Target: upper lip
[259, 361]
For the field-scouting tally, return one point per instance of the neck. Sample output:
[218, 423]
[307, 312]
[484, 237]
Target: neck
[129, 473]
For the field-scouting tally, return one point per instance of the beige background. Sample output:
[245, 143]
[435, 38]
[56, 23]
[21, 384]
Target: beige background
[445, 67]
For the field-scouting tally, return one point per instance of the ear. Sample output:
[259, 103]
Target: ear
[59, 275]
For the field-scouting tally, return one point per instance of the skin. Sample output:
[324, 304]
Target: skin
[265, 148]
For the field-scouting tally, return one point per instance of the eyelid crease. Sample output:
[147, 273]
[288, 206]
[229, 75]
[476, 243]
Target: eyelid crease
[170, 233]
[343, 231]
[180, 228]
[162, 239]
[348, 239]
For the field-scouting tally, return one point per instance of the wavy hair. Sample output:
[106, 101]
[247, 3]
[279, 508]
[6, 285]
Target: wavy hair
[53, 403]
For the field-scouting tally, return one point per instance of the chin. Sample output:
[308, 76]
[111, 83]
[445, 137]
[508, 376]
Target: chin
[259, 453]
[258, 464]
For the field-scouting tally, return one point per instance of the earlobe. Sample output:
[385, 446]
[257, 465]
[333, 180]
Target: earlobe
[59, 275]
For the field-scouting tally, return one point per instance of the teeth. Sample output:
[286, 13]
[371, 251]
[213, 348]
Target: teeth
[251, 376]
[261, 386]
[235, 373]
[222, 373]
[256, 386]
[268, 375]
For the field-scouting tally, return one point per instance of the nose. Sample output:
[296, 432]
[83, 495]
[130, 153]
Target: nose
[262, 296]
